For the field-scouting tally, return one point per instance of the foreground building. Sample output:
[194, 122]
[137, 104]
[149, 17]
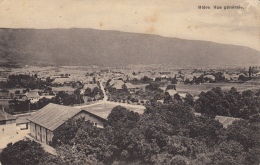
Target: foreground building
[52, 116]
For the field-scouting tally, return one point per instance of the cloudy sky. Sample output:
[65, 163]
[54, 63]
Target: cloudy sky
[171, 18]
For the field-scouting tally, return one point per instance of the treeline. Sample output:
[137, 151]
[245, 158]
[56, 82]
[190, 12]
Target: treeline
[232, 103]
[25, 81]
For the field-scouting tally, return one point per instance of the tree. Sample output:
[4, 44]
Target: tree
[177, 97]
[23, 152]
[170, 86]
[230, 152]
[189, 100]
[250, 72]
[167, 98]
[65, 133]
[242, 78]
[124, 88]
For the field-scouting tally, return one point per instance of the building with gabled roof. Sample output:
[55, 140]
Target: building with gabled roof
[52, 116]
[32, 96]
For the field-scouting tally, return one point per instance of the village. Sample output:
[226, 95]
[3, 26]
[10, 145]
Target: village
[35, 101]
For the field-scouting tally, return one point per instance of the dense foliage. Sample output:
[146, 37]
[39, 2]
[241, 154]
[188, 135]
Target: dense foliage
[24, 152]
[244, 105]
[164, 134]
[25, 81]
[167, 133]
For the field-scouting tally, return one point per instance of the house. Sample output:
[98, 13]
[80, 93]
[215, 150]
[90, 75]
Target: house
[116, 84]
[52, 116]
[7, 124]
[209, 77]
[171, 92]
[32, 96]
[132, 88]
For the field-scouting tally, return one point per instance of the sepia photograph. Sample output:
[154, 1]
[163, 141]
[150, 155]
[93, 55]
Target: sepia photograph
[117, 82]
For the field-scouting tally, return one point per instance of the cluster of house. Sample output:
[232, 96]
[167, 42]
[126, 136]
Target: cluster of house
[33, 96]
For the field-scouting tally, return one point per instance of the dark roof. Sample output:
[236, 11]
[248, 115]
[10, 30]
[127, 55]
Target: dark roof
[5, 116]
[53, 115]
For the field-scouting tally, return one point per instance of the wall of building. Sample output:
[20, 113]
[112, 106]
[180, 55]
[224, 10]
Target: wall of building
[8, 128]
[49, 136]
[40, 133]
[32, 130]
[44, 134]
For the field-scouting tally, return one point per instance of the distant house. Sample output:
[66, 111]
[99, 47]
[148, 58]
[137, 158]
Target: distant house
[132, 88]
[171, 92]
[227, 76]
[7, 124]
[210, 77]
[116, 84]
[52, 116]
[32, 96]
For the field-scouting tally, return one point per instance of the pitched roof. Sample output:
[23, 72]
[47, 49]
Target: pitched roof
[32, 94]
[171, 92]
[130, 86]
[5, 116]
[117, 83]
[53, 115]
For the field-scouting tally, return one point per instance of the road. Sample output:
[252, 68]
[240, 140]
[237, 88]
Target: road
[104, 101]
[103, 90]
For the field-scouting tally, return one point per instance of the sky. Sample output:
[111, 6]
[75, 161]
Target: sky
[169, 18]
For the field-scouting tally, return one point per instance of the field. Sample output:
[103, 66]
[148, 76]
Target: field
[197, 89]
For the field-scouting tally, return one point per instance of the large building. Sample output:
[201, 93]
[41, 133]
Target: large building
[7, 124]
[52, 116]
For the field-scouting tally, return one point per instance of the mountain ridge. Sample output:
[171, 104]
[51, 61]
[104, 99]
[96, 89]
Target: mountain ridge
[78, 46]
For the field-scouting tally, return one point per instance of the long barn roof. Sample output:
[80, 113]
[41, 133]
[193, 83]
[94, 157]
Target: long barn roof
[53, 115]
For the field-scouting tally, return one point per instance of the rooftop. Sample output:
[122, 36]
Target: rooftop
[53, 115]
